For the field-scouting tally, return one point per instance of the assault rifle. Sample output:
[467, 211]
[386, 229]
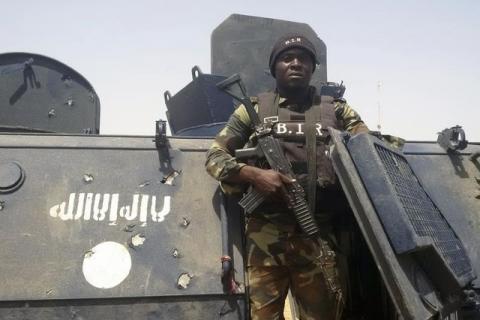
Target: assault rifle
[270, 148]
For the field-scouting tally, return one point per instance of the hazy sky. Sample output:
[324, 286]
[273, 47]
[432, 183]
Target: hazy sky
[425, 54]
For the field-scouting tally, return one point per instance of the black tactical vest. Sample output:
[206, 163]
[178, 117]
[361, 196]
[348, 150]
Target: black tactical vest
[290, 127]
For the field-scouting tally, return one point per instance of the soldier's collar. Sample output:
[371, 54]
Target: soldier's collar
[284, 102]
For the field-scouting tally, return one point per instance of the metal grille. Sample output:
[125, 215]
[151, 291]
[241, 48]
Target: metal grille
[426, 219]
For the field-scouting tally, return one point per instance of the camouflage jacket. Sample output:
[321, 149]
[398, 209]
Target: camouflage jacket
[221, 163]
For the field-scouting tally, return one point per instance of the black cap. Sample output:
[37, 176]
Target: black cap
[288, 42]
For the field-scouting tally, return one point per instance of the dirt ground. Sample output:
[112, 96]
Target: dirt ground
[287, 312]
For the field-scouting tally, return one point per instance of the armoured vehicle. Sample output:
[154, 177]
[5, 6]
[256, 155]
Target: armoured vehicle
[122, 227]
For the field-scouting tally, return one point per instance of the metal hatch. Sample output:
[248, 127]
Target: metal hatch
[201, 97]
[242, 44]
[40, 94]
[423, 262]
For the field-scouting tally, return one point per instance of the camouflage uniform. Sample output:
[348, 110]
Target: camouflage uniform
[279, 257]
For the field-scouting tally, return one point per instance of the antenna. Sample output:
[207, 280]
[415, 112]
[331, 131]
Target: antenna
[379, 105]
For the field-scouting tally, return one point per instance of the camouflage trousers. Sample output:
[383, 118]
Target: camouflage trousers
[279, 259]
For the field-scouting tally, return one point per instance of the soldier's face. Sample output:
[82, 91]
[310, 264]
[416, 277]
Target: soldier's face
[293, 69]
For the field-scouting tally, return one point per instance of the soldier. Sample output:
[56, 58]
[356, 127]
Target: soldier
[278, 256]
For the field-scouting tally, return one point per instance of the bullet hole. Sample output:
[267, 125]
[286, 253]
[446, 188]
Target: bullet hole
[88, 178]
[92, 97]
[70, 102]
[185, 222]
[136, 241]
[52, 113]
[170, 178]
[183, 280]
[175, 253]
[88, 254]
[144, 184]
[129, 228]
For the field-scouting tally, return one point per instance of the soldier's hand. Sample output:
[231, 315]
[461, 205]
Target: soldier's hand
[271, 182]
[267, 181]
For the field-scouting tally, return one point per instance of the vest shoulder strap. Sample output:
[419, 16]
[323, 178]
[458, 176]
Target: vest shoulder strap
[324, 111]
[266, 105]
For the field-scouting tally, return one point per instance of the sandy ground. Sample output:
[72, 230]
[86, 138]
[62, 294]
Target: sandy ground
[287, 312]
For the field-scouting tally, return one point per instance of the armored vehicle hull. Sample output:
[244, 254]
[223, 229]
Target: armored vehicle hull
[108, 228]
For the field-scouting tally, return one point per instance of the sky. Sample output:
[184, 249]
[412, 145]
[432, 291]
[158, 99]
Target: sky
[411, 66]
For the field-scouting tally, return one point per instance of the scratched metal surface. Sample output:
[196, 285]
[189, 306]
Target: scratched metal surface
[453, 183]
[42, 254]
[178, 308]
[38, 92]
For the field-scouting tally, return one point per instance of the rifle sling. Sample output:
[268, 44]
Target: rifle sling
[311, 146]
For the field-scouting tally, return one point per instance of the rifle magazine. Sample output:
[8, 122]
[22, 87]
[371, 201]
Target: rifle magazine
[251, 200]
